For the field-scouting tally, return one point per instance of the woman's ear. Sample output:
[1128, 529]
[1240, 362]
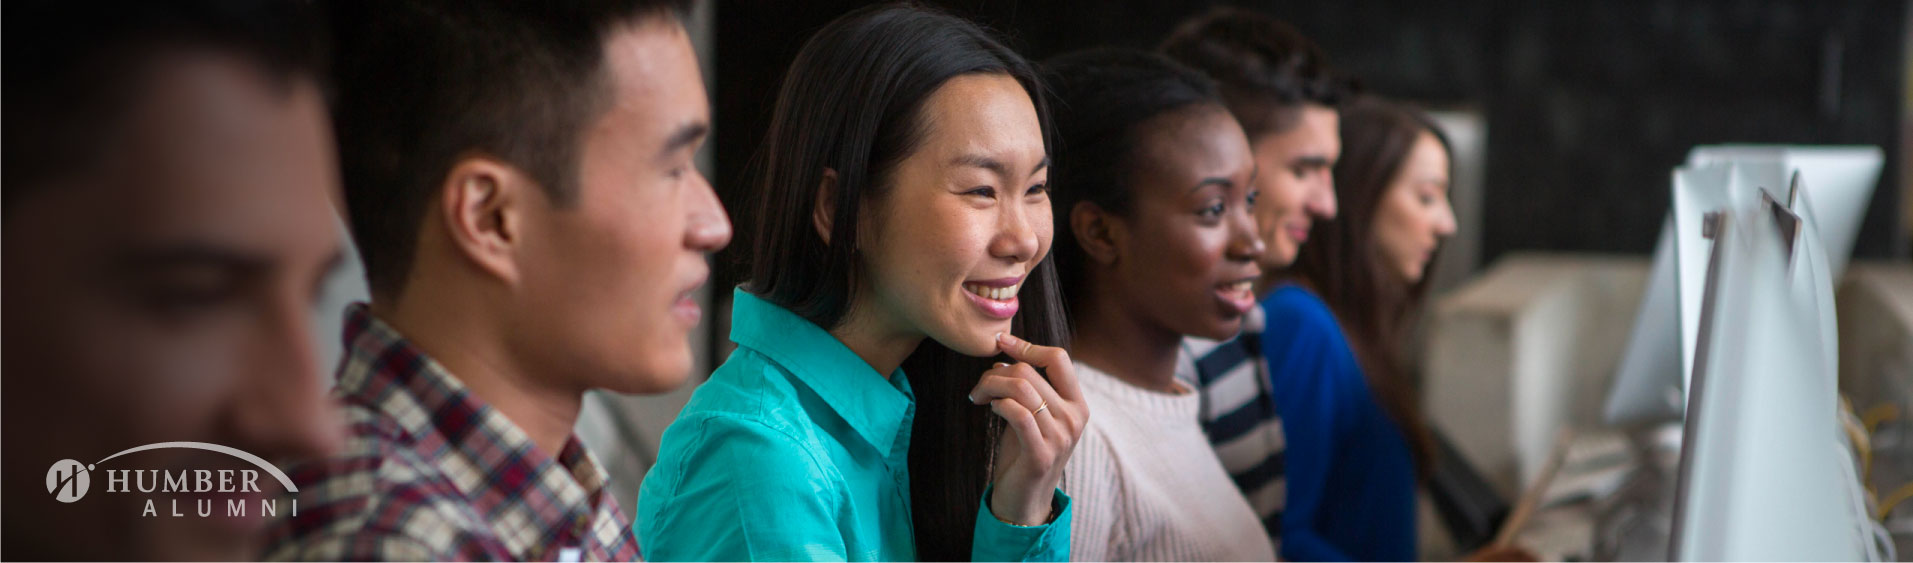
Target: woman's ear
[1097, 231]
[481, 206]
[823, 212]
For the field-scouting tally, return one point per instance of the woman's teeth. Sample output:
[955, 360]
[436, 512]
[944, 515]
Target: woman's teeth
[1240, 287]
[995, 293]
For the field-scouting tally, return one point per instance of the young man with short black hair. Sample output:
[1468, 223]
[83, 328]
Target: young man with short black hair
[519, 178]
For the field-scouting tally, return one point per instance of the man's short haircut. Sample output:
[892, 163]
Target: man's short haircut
[75, 70]
[1266, 69]
[421, 84]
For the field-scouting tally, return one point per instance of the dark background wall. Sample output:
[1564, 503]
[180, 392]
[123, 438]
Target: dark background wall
[1588, 105]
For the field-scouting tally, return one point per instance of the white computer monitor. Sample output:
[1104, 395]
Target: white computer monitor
[1765, 472]
[1842, 178]
[1645, 386]
[1651, 377]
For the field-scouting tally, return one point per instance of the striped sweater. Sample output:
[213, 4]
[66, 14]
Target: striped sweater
[1238, 414]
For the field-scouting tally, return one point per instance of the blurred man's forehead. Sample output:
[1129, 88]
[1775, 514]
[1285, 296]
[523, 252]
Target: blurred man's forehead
[217, 152]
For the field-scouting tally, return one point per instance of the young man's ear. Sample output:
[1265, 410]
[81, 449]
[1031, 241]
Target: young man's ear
[1097, 231]
[823, 212]
[481, 205]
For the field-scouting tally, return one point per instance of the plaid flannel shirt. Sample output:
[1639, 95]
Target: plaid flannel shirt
[432, 472]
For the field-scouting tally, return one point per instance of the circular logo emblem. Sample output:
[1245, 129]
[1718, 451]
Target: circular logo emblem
[67, 480]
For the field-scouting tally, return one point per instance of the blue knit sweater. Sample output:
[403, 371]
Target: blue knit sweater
[1351, 479]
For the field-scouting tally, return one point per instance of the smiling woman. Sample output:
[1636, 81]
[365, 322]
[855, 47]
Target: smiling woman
[900, 234]
[1158, 193]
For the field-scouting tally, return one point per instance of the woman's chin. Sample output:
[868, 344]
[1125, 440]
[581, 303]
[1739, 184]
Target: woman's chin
[1220, 329]
[975, 345]
[978, 342]
[1412, 273]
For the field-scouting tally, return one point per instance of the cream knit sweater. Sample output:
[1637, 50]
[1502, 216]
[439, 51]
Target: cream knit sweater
[1147, 486]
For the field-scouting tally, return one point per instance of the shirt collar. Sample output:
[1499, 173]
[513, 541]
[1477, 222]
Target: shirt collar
[877, 408]
[490, 460]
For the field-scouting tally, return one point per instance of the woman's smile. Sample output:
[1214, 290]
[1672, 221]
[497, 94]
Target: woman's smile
[996, 298]
[1237, 296]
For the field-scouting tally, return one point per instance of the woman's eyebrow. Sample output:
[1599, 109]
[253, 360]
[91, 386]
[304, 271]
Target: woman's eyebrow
[973, 160]
[1213, 181]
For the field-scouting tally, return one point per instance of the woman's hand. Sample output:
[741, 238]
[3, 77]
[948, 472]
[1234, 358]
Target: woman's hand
[1046, 418]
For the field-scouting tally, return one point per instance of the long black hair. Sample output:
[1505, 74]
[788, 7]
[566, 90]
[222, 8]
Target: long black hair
[1101, 99]
[852, 103]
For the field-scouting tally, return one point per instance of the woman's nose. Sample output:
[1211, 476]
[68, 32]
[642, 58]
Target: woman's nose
[1244, 242]
[1016, 237]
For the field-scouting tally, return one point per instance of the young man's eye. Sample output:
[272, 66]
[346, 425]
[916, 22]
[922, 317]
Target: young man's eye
[1253, 196]
[180, 301]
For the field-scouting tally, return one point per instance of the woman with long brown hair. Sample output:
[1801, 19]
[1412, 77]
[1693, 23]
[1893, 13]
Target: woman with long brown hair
[1356, 440]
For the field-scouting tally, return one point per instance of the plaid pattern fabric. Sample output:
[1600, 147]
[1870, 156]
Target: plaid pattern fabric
[431, 472]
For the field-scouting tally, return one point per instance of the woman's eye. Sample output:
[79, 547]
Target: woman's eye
[1253, 196]
[1039, 189]
[984, 191]
[1212, 212]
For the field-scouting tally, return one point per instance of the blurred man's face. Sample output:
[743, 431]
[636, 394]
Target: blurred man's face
[1295, 167]
[167, 296]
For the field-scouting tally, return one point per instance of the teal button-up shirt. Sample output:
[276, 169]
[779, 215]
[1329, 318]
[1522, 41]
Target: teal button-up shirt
[796, 450]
